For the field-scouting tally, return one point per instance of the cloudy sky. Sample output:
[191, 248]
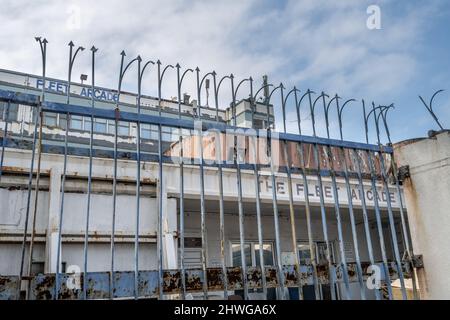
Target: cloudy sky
[317, 44]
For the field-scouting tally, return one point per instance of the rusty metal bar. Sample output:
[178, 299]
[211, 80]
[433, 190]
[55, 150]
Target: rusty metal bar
[202, 188]
[180, 132]
[409, 251]
[288, 164]
[239, 190]
[330, 163]
[4, 116]
[43, 47]
[350, 200]
[221, 198]
[384, 178]
[27, 214]
[89, 187]
[254, 140]
[373, 179]
[322, 201]
[299, 145]
[114, 186]
[138, 177]
[161, 183]
[36, 196]
[357, 160]
[278, 265]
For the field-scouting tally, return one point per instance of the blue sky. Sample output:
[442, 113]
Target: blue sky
[322, 45]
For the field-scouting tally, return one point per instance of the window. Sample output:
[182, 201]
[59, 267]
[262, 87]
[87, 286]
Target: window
[37, 267]
[87, 124]
[50, 119]
[145, 131]
[123, 128]
[252, 254]
[304, 254]
[267, 254]
[12, 111]
[251, 250]
[62, 123]
[99, 125]
[76, 122]
[3, 107]
[237, 258]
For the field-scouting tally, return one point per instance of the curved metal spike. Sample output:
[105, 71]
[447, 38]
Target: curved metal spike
[430, 108]
[239, 84]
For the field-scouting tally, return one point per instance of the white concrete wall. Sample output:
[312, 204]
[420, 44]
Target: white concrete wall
[427, 195]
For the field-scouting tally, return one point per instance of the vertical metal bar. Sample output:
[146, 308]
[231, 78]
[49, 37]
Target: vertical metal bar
[379, 224]
[180, 141]
[202, 192]
[30, 181]
[350, 201]
[288, 164]
[114, 207]
[161, 184]
[36, 195]
[376, 204]
[221, 198]
[392, 228]
[389, 206]
[61, 212]
[357, 160]
[239, 190]
[330, 162]
[276, 217]
[117, 117]
[5, 116]
[160, 191]
[322, 206]
[43, 47]
[402, 214]
[280, 274]
[88, 204]
[138, 184]
[114, 186]
[353, 226]
[312, 250]
[254, 140]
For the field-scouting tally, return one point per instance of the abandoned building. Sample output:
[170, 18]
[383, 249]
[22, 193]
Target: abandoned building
[166, 199]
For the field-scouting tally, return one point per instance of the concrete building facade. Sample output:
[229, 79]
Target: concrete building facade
[46, 220]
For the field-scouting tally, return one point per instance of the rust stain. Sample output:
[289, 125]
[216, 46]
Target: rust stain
[171, 281]
[234, 275]
[254, 278]
[271, 277]
[215, 278]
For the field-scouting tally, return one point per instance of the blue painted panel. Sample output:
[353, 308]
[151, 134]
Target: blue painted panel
[9, 287]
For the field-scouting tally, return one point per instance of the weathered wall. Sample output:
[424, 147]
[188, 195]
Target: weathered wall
[427, 195]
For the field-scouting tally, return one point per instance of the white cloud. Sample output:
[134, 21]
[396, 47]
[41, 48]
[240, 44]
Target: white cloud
[321, 44]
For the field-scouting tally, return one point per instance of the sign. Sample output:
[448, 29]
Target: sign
[298, 191]
[61, 87]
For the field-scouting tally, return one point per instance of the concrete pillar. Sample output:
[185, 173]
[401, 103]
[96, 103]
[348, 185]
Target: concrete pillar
[427, 196]
[170, 247]
[53, 231]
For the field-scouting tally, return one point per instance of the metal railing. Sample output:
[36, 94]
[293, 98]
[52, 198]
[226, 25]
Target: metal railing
[290, 155]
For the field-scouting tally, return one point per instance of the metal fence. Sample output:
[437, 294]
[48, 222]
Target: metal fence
[285, 153]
